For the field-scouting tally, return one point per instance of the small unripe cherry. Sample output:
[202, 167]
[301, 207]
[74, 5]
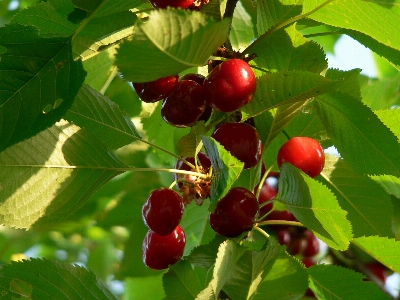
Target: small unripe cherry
[304, 153]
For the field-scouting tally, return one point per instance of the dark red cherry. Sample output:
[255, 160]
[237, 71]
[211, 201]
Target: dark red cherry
[194, 77]
[268, 192]
[155, 90]
[163, 211]
[308, 262]
[304, 153]
[283, 215]
[309, 244]
[184, 105]
[230, 85]
[173, 3]
[284, 237]
[235, 213]
[206, 114]
[378, 269]
[160, 251]
[241, 140]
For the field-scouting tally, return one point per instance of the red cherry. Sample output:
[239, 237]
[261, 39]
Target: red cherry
[309, 245]
[268, 191]
[194, 77]
[235, 213]
[184, 105]
[173, 3]
[230, 85]
[308, 262]
[163, 211]
[155, 90]
[378, 269]
[159, 251]
[241, 140]
[284, 237]
[304, 153]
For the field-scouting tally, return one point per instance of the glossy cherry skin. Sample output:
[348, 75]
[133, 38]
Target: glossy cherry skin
[173, 3]
[163, 211]
[194, 77]
[268, 191]
[235, 213]
[378, 269]
[304, 153]
[202, 160]
[184, 105]
[307, 245]
[230, 85]
[160, 251]
[155, 90]
[241, 140]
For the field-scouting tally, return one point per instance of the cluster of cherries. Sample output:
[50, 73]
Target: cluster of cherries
[184, 4]
[191, 98]
[238, 211]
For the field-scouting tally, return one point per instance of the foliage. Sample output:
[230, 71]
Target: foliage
[80, 153]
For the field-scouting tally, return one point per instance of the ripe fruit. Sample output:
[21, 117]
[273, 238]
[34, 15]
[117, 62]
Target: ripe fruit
[268, 191]
[163, 211]
[155, 90]
[378, 269]
[235, 213]
[304, 153]
[194, 77]
[184, 105]
[159, 251]
[173, 3]
[241, 140]
[230, 85]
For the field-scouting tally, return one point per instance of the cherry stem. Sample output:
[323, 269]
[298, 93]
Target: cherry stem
[262, 231]
[181, 180]
[278, 26]
[263, 178]
[280, 222]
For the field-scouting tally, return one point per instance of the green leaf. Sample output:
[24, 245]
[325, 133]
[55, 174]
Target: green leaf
[204, 256]
[168, 43]
[384, 250]
[181, 282]
[226, 169]
[160, 133]
[381, 93]
[382, 50]
[111, 22]
[144, 288]
[350, 81]
[288, 50]
[103, 118]
[334, 282]
[314, 205]
[242, 31]
[51, 175]
[354, 128]
[46, 279]
[390, 183]
[100, 70]
[188, 145]
[390, 117]
[25, 72]
[229, 253]
[283, 277]
[363, 199]
[196, 226]
[271, 13]
[379, 20]
[215, 9]
[282, 88]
